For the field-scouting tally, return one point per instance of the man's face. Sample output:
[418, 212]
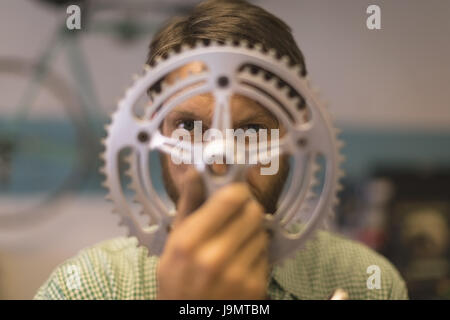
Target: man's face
[245, 114]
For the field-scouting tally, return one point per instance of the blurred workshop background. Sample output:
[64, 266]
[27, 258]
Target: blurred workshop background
[389, 91]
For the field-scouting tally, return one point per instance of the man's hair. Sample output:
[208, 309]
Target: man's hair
[221, 20]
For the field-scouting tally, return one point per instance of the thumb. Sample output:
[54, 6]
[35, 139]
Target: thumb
[192, 194]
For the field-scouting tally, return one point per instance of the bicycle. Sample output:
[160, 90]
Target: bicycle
[23, 152]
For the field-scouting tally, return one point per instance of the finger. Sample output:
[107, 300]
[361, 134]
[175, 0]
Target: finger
[192, 195]
[259, 278]
[214, 214]
[246, 276]
[222, 247]
[253, 252]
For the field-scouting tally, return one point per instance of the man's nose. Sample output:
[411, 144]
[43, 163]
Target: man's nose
[219, 169]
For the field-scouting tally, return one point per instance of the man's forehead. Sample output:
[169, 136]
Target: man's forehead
[194, 67]
[240, 105]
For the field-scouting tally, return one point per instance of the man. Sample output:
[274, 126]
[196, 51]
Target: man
[217, 248]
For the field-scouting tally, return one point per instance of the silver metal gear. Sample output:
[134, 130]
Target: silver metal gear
[231, 68]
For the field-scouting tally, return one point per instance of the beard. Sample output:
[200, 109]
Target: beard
[268, 197]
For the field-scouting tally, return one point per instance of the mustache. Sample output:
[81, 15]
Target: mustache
[267, 198]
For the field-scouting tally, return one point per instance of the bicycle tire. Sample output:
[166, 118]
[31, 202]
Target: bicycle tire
[83, 165]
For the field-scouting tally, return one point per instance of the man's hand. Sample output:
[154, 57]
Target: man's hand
[216, 250]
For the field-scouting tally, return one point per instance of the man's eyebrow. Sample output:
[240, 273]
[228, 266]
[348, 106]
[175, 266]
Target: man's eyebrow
[258, 116]
[186, 114]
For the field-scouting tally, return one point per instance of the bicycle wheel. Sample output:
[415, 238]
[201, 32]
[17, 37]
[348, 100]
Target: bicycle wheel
[46, 147]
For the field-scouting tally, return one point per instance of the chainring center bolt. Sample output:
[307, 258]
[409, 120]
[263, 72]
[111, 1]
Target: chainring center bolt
[223, 81]
[302, 142]
[143, 137]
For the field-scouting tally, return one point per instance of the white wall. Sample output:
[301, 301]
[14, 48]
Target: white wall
[395, 77]
[398, 76]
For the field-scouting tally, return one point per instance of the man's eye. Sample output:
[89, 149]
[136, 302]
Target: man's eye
[253, 126]
[186, 124]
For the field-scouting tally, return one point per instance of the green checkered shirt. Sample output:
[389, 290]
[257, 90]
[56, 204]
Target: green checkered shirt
[120, 269]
